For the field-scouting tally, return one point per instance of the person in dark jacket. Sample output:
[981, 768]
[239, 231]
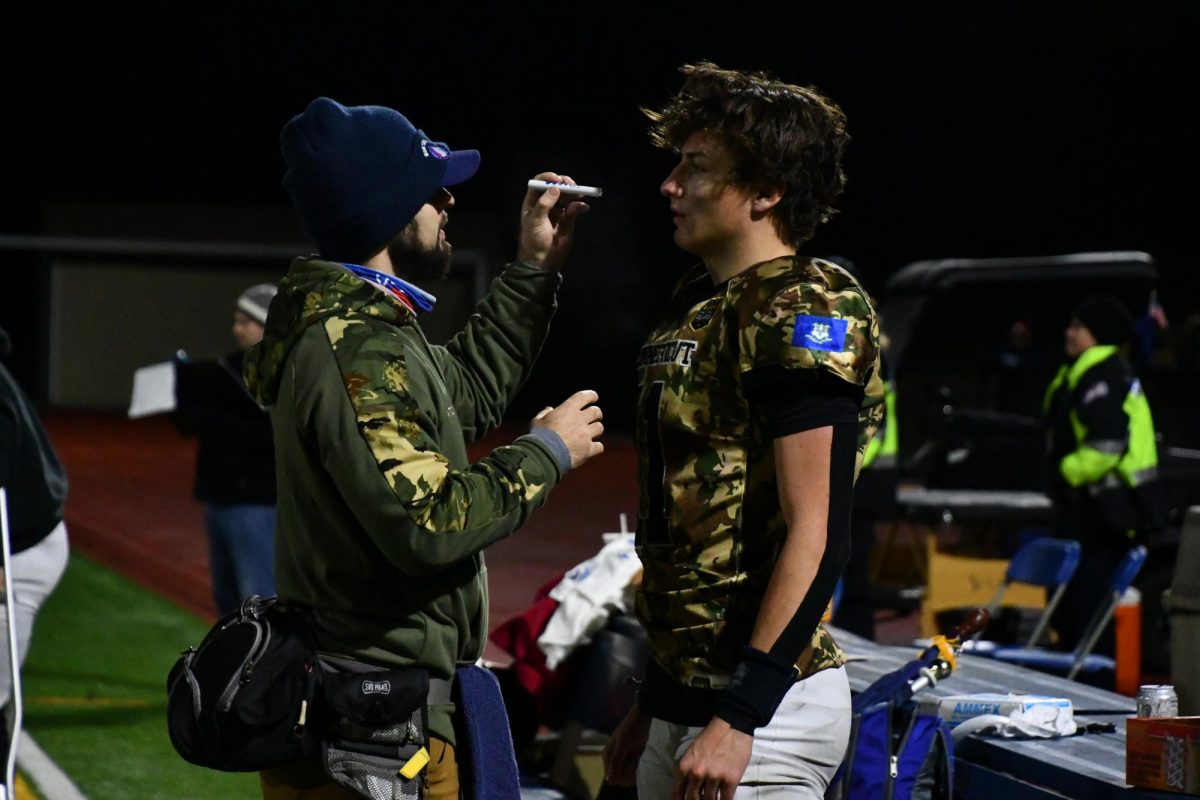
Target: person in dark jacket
[235, 460]
[1103, 455]
[36, 488]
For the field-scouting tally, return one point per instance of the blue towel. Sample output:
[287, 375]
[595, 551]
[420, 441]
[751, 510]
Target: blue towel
[487, 763]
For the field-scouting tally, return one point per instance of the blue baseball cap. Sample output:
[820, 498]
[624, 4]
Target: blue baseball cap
[358, 174]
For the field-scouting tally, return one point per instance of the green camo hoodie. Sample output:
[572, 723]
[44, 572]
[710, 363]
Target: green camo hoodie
[381, 519]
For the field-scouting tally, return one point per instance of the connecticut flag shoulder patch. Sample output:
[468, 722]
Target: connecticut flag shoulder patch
[820, 333]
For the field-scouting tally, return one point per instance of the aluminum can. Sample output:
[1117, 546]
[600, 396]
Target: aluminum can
[1157, 701]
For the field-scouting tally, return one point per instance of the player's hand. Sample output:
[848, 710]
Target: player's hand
[548, 224]
[624, 748]
[714, 764]
[577, 423]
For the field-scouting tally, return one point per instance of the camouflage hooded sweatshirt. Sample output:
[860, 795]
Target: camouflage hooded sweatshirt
[381, 518]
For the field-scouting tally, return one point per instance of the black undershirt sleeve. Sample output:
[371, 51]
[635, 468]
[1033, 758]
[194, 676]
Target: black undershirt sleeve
[793, 401]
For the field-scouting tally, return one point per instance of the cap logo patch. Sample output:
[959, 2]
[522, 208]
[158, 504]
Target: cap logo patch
[432, 150]
[820, 333]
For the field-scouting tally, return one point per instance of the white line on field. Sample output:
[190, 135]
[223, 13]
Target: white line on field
[51, 781]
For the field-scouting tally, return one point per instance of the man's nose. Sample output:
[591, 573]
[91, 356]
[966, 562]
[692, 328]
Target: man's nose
[671, 187]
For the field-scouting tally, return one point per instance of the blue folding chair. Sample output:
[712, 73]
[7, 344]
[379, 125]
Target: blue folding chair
[1081, 659]
[1045, 562]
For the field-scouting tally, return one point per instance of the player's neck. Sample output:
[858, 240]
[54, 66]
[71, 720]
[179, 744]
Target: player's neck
[737, 254]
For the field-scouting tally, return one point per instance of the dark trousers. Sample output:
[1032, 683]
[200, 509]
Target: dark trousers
[1102, 549]
[874, 500]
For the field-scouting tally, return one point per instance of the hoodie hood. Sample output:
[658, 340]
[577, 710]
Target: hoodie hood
[312, 291]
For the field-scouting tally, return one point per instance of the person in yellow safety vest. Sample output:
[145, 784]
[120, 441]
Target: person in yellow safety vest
[1104, 457]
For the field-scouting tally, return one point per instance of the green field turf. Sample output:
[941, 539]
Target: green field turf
[94, 688]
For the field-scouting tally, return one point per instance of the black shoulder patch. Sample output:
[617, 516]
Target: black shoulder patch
[705, 314]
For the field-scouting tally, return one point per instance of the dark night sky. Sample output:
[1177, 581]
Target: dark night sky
[991, 128]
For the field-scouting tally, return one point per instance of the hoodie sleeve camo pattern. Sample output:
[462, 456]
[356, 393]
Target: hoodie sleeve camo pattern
[432, 514]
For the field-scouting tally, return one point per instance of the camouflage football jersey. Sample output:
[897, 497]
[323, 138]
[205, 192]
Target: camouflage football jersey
[710, 525]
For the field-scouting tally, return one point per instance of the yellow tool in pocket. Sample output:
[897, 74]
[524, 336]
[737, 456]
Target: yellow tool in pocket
[415, 764]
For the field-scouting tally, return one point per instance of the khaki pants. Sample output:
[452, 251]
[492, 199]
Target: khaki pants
[306, 780]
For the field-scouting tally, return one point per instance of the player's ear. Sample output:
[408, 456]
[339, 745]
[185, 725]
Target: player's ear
[766, 199]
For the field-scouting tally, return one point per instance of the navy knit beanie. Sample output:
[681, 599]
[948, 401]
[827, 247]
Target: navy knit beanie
[359, 174]
[1106, 318]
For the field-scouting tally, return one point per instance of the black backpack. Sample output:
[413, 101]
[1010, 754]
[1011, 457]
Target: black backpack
[244, 700]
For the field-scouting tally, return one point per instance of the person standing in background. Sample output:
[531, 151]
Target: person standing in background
[235, 461]
[1104, 458]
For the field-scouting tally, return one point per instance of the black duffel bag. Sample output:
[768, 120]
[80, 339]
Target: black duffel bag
[244, 699]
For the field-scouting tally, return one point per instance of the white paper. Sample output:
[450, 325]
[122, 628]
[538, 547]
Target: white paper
[153, 390]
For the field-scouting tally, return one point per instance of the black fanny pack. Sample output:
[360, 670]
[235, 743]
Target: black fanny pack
[255, 695]
[245, 698]
[376, 725]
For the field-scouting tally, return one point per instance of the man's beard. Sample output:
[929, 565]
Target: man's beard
[413, 260]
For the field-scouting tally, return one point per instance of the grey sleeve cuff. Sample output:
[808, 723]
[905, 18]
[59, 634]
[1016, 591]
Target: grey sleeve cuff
[556, 446]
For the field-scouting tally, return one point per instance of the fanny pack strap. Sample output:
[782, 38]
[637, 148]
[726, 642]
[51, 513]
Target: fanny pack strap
[439, 691]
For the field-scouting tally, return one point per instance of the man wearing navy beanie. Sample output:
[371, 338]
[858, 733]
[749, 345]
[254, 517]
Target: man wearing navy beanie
[382, 519]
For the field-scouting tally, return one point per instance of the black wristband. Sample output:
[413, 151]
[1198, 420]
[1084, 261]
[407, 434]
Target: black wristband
[758, 686]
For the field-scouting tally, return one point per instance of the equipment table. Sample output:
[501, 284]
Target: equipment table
[1088, 766]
